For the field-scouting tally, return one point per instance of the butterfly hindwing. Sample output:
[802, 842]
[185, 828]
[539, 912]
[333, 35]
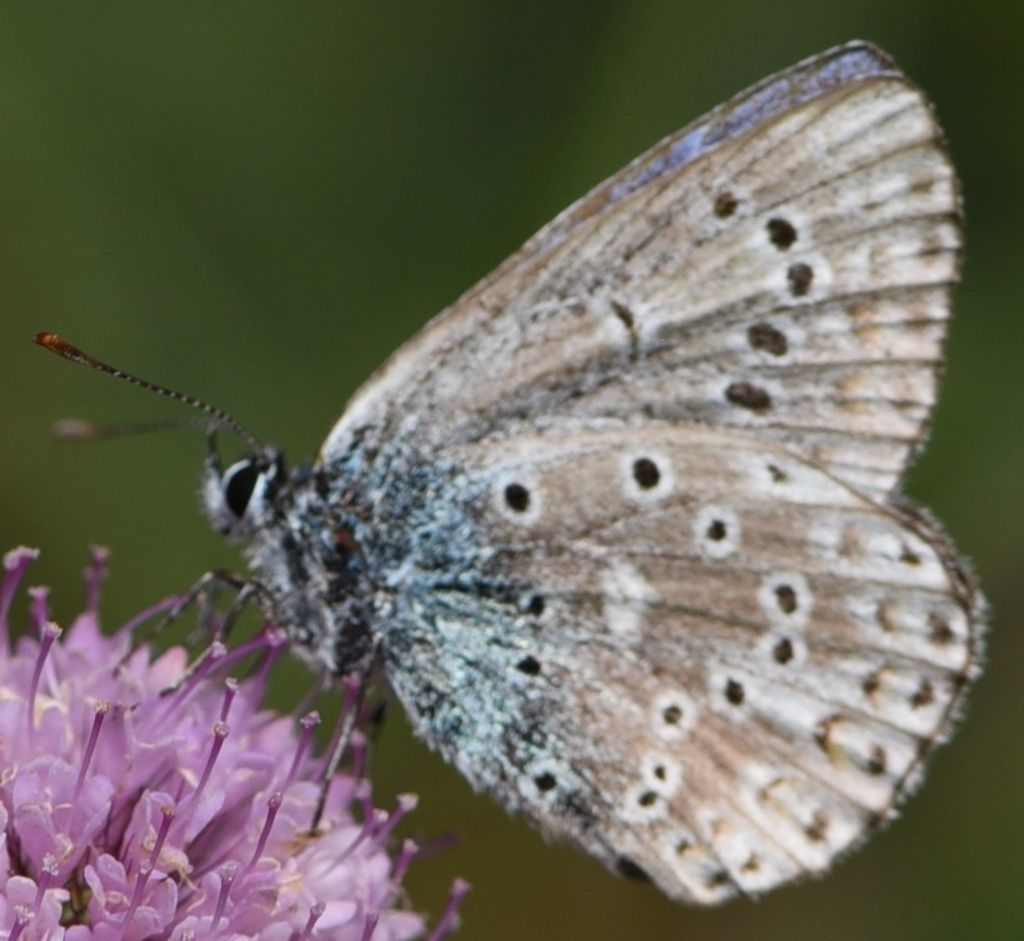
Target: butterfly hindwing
[698, 655]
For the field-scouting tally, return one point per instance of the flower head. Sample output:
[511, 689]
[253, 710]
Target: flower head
[142, 798]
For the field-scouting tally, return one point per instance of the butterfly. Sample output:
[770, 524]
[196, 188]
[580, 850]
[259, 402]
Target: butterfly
[622, 528]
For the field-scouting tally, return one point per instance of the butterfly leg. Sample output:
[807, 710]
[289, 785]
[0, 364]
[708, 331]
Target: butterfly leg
[249, 591]
[204, 591]
[340, 742]
[311, 695]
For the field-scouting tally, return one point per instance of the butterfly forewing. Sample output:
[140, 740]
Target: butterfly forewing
[791, 275]
[629, 501]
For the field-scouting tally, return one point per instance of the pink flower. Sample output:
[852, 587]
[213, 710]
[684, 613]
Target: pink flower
[128, 812]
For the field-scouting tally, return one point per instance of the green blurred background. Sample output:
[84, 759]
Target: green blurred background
[257, 202]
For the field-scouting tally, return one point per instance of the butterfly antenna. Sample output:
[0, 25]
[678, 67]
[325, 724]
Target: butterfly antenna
[221, 419]
[81, 429]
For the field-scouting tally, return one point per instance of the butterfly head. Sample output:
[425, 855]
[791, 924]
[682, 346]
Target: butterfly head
[243, 498]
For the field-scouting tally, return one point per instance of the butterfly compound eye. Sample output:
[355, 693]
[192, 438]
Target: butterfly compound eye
[239, 483]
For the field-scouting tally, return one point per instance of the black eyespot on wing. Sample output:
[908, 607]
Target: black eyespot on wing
[725, 204]
[783, 651]
[529, 665]
[647, 799]
[716, 531]
[747, 395]
[768, 339]
[785, 595]
[941, 632]
[646, 473]
[877, 761]
[672, 715]
[517, 497]
[924, 696]
[800, 276]
[545, 782]
[781, 233]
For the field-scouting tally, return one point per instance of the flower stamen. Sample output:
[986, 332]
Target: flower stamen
[404, 804]
[40, 611]
[405, 857]
[178, 694]
[102, 708]
[230, 691]
[167, 818]
[449, 919]
[309, 722]
[136, 900]
[227, 875]
[95, 575]
[273, 806]
[50, 633]
[220, 733]
[369, 926]
[315, 914]
[22, 918]
[15, 563]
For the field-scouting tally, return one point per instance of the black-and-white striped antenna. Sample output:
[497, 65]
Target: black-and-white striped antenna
[220, 418]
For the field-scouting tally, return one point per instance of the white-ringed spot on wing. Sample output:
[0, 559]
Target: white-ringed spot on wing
[643, 804]
[768, 339]
[804, 277]
[771, 340]
[661, 774]
[647, 476]
[673, 714]
[546, 778]
[781, 232]
[750, 396]
[729, 693]
[518, 499]
[678, 843]
[782, 235]
[800, 276]
[785, 649]
[786, 599]
[716, 531]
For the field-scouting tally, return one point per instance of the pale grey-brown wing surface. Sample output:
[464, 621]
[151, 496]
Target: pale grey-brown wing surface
[783, 264]
[719, 664]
